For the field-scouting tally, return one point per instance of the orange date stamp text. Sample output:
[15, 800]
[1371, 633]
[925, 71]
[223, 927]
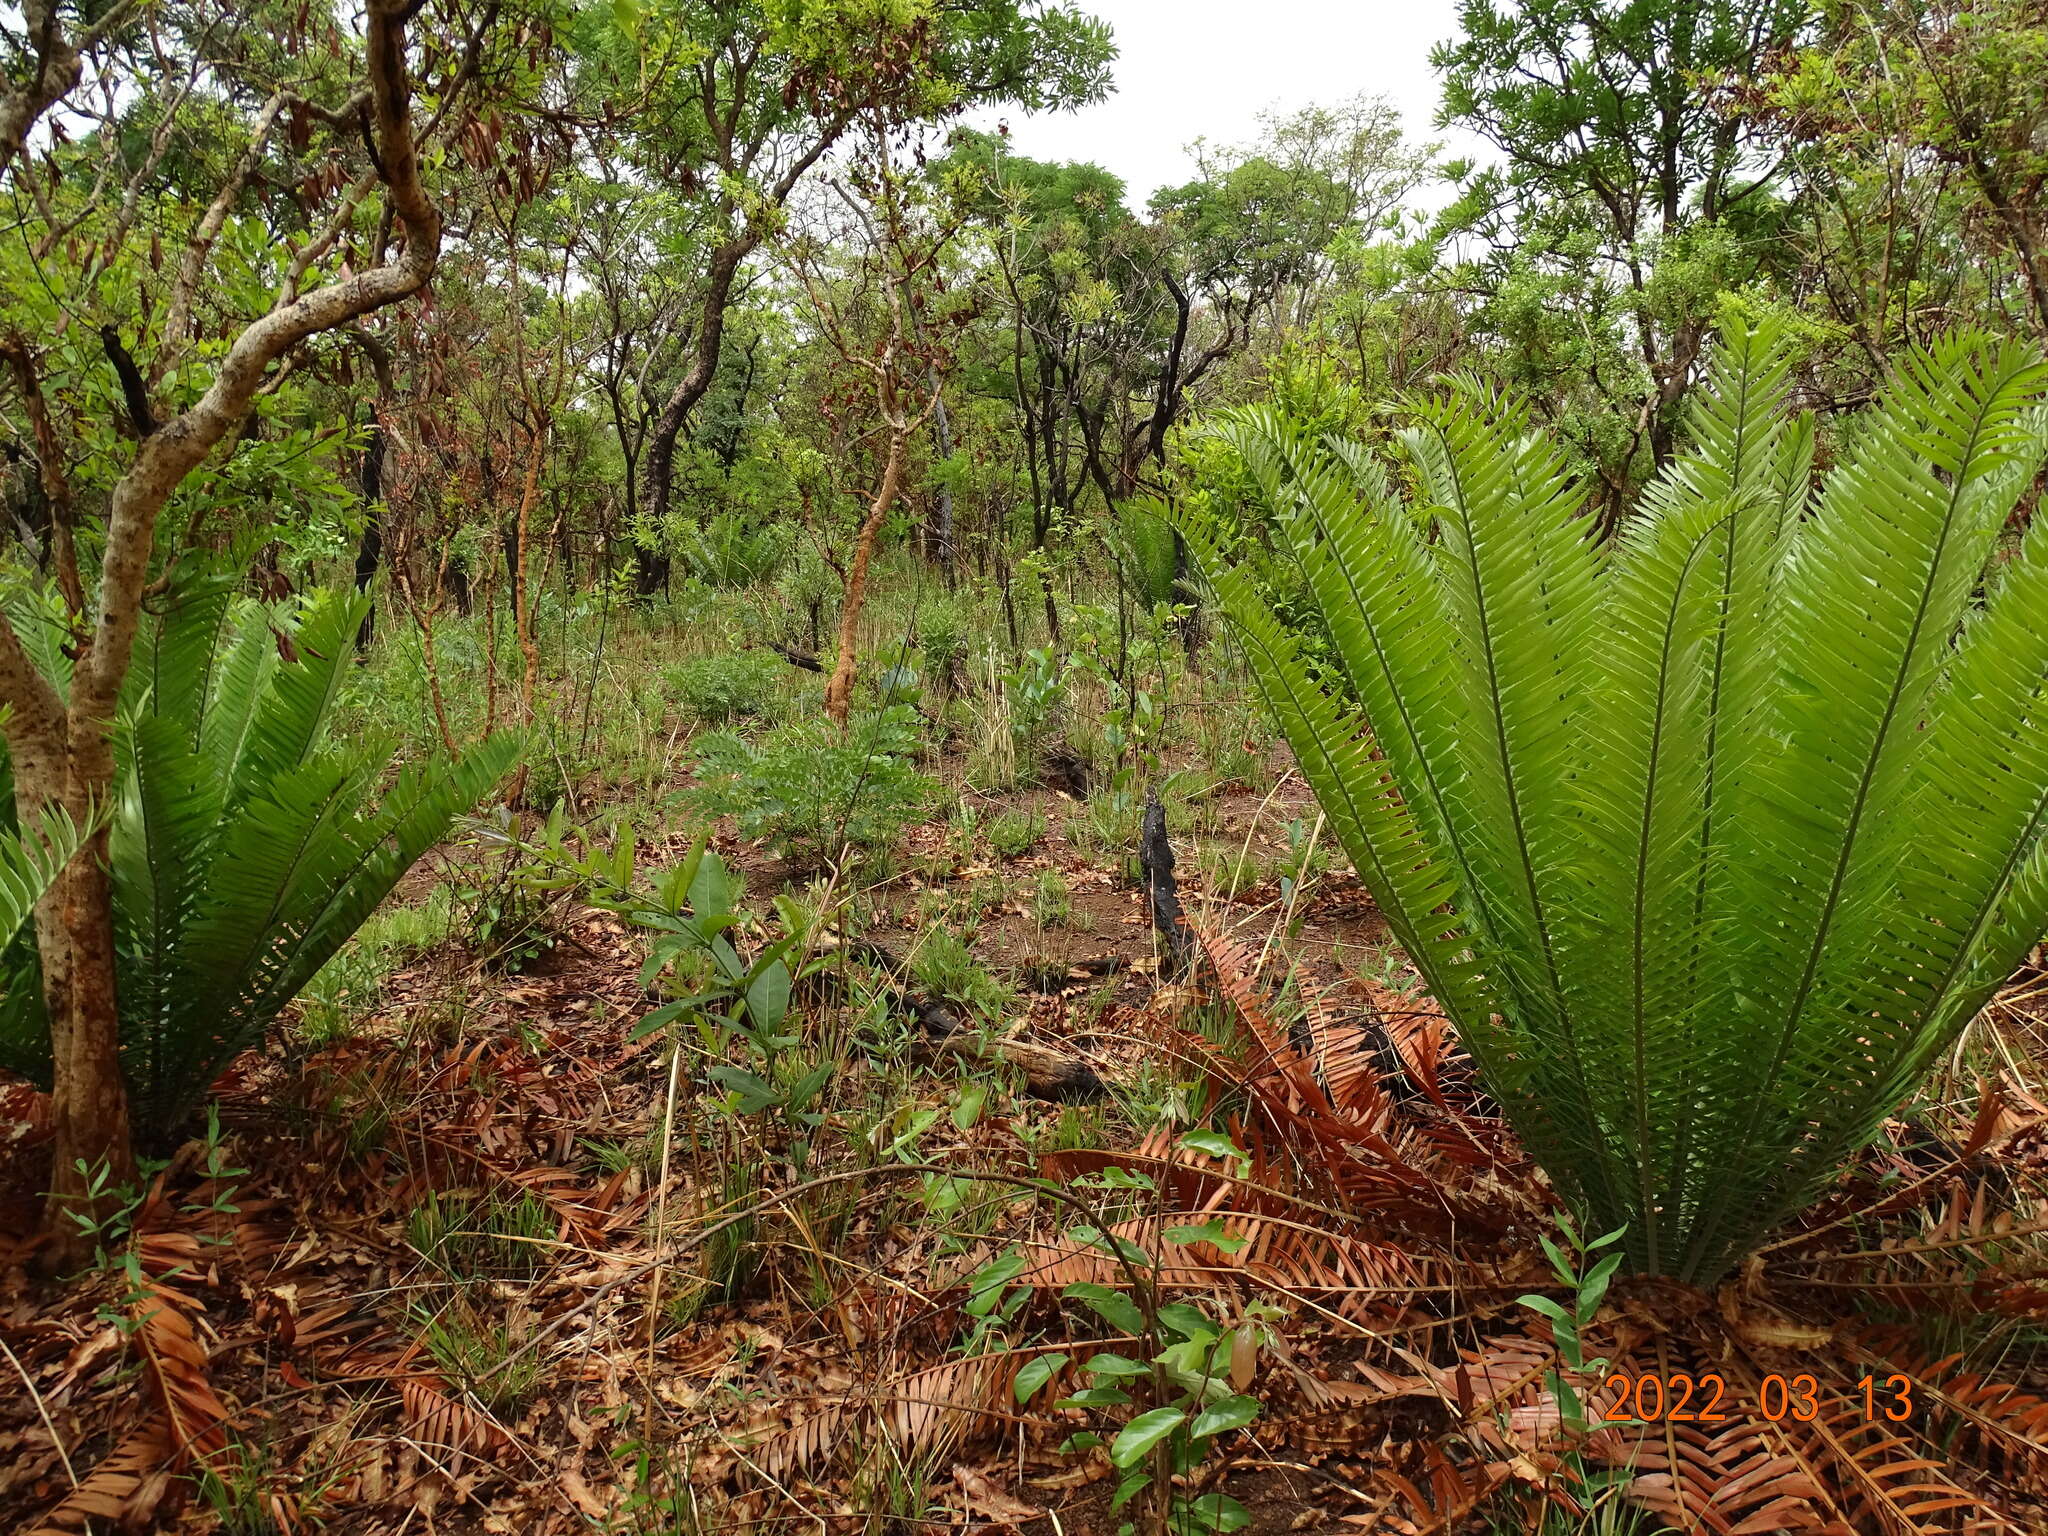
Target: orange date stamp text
[1706, 1399]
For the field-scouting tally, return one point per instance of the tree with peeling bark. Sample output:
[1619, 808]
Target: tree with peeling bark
[888, 318]
[95, 116]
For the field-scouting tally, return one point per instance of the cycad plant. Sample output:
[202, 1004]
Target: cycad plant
[1711, 838]
[29, 866]
[247, 847]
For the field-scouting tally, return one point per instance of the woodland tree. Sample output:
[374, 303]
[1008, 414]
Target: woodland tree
[881, 316]
[737, 99]
[1926, 98]
[1616, 167]
[185, 302]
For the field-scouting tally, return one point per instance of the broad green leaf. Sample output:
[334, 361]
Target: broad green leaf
[968, 1106]
[1096, 1397]
[1211, 1231]
[1109, 1242]
[1548, 1308]
[750, 1094]
[1214, 1144]
[1113, 1307]
[1036, 1372]
[1189, 1322]
[1115, 1366]
[1215, 1514]
[768, 996]
[1142, 1433]
[1231, 1413]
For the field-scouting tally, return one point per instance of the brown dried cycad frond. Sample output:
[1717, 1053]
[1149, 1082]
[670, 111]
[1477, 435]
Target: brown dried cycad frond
[124, 1488]
[187, 1421]
[2000, 1426]
[1978, 1251]
[921, 1411]
[1325, 1106]
[1721, 1478]
[1274, 1238]
[175, 1364]
[1348, 1275]
[1435, 1491]
[447, 1425]
[1792, 1427]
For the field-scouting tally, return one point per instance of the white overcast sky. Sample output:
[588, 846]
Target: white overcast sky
[1189, 69]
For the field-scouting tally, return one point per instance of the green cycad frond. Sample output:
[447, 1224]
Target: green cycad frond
[241, 674]
[1709, 841]
[176, 665]
[1366, 811]
[1737, 424]
[43, 624]
[163, 852]
[1371, 575]
[245, 850]
[1648, 752]
[1871, 591]
[289, 715]
[1963, 848]
[29, 866]
[1985, 784]
[1520, 578]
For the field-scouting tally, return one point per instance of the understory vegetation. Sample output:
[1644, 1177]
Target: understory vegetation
[728, 811]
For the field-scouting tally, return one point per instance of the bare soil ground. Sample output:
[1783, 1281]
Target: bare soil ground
[296, 1320]
[278, 1319]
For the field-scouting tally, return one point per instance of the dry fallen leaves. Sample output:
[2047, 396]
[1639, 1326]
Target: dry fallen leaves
[981, 1494]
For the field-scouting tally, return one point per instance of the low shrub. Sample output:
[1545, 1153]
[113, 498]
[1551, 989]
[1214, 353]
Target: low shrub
[729, 686]
[249, 842]
[947, 969]
[730, 551]
[942, 642]
[1012, 834]
[813, 793]
[1052, 901]
[1712, 840]
[1231, 870]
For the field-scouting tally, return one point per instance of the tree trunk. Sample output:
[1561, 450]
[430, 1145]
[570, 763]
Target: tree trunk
[376, 450]
[942, 527]
[370, 552]
[1167, 404]
[839, 691]
[661, 443]
[522, 605]
[55, 766]
[62, 748]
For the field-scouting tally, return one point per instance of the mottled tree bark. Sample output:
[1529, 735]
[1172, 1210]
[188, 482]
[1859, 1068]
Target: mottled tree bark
[719, 277]
[839, 690]
[695, 383]
[62, 747]
[375, 481]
